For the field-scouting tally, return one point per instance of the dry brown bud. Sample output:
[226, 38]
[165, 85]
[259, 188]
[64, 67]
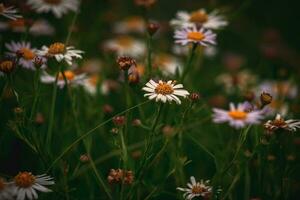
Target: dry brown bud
[125, 62]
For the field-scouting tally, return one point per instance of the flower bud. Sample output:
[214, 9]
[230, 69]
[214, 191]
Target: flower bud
[152, 28]
[7, 65]
[119, 120]
[125, 62]
[265, 99]
[194, 96]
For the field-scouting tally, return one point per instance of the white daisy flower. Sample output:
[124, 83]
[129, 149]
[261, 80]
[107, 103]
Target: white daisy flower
[210, 21]
[167, 63]
[26, 185]
[194, 35]
[280, 123]
[165, 91]
[196, 189]
[5, 190]
[41, 27]
[57, 7]
[281, 89]
[72, 78]
[17, 25]
[9, 12]
[60, 52]
[239, 116]
[28, 54]
[133, 24]
[126, 46]
[90, 84]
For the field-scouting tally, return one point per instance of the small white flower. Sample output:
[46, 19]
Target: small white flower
[168, 64]
[196, 189]
[280, 123]
[9, 12]
[28, 53]
[26, 185]
[210, 21]
[126, 46]
[5, 190]
[237, 117]
[71, 78]
[165, 91]
[133, 24]
[90, 84]
[41, 27]
[194, 35]
[281, 89]
[57, 7]
[60, 52]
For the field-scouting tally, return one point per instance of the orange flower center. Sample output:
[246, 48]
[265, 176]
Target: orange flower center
[278, 122]
[124, 41]
[164, 89]
[237, 115]
[93, 80]
[198, 17]
[197, 36]
[68, 74]
[6, 65]
[53, 2]
[17, 23]
[198, 189]
[57, 48]
[27, 54]
[24, 179]
[2, 186]
[134, 22]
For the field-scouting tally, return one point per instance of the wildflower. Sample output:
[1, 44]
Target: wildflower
[237, 117]
[125, 45]
[196, 189]
[168, 64]
[57, 7]
[194, 96]
[5, 190]
[26, 185]
[18, 25]
[119, 120]
[195, 35]
[133, 24]
[265, 99]
[280, 123]
[7, 65]
[125, 62]
[61, 52]
[152, 28]
[200, 18]
[71, 78]
[9, 12]
[120, 176]
[145, 3]
[24, 51]
[286, 89]
[165, 91]
[90, 84]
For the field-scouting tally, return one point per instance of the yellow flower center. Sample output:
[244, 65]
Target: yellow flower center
[27, 54]
[237, 115]
[2, 8]
[198, 189]
[68, 74]
[124, 41]
[6, 65]
[57, 48]
[24, 179]
[197, 36]
[198, 17]
[93, 80]
[53, 2]
[164, 89]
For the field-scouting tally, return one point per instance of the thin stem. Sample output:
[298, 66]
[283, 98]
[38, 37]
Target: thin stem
[188, 65]
[149, 55]
[36, 91]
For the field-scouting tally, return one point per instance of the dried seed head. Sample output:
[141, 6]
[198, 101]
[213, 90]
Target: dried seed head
[7, 65]
[125, 62]
[115, 176]
[194, 96]
[152, 28]
[265, 99]
[119, 120]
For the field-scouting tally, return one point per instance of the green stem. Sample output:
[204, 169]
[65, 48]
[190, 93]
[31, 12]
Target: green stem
[52, 110]
[149, 55]
[188, 65]
[36, 91]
